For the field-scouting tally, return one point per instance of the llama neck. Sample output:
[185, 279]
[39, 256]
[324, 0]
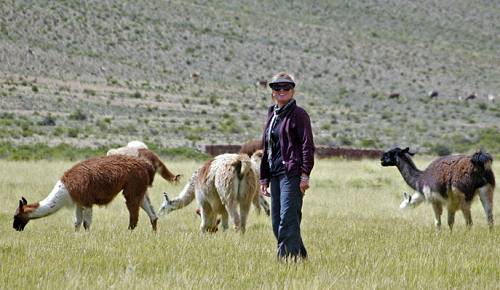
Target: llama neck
[58, 198]
[411, 174]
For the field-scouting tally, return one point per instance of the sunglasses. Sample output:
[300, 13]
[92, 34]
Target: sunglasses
[285, 87]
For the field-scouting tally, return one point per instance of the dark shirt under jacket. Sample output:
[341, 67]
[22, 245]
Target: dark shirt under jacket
[277, 164]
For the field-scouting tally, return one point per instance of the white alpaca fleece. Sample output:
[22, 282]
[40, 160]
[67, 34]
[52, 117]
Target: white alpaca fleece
[132, 149]
[220, 186]
[58, 197]
[229, 182]
[137, 144]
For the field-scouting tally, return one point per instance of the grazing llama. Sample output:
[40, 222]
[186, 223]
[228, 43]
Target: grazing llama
[452, 181]
[139, 149]
[253, 148]
[220, 186]
[96, 181]
[250, 147]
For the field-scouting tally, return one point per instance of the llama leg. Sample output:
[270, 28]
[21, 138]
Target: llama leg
[411, 201]
[417, 199]
[87, 218]
[256, 203]
[465, 206]
[148, 208]
[244, 209]
[438, 210]
[233, 212]
[78, 217]
[134, 194]
[208, 219]
[264, 204]
[451, 218]
[225, 220]
[486, 196]
[133, 209]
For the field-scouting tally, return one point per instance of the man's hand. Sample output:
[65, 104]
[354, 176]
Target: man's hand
[304, 183]
[263, 189]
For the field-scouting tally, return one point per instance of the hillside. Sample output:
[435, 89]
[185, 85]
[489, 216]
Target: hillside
[184, 73]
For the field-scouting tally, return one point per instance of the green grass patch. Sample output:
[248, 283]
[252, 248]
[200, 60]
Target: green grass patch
[64, 151]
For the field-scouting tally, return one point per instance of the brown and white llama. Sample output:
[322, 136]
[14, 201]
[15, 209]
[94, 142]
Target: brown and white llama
[220, 186]
[139, 149]
[187, 195]
[96, 181]
[452, 181]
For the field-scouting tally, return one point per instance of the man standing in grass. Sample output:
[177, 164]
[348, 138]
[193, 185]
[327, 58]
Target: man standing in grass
[286, 165]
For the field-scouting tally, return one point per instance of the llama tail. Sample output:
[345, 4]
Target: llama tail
[482, 161]
[185, 197]
[242, 169]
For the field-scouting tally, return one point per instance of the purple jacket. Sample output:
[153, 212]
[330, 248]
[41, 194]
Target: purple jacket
[296, 143]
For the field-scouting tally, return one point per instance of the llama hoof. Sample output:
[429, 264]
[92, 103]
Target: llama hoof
[153, 224]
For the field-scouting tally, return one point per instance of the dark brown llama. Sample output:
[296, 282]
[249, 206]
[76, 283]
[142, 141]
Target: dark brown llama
[96, 181]
[452, 181]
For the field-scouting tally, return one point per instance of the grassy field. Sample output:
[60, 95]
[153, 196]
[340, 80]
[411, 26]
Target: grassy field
[355, 234]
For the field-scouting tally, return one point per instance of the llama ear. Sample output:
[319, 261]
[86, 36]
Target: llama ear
[166, 197]
[20, 209]
[25, 202]
[407, 150]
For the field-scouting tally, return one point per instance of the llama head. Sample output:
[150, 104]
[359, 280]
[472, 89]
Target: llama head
[390, 158]
[166, 206]
[21, 216]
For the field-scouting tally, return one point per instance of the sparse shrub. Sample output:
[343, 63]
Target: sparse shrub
[228, 125]
[58, 131]
[73, 132]
[441, 150]
[386, 115]
[78, 115]
[89, 92]
[326, 126]
[26, 130]
[34, 88]
[136, 95]
[102, 125]
[343, 92]
[345, 140]
[48, 120]
[368, 143]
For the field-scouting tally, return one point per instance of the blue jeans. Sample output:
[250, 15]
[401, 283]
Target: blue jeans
[286, 215]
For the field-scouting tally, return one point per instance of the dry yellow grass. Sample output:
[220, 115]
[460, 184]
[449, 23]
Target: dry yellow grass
[355, 234]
